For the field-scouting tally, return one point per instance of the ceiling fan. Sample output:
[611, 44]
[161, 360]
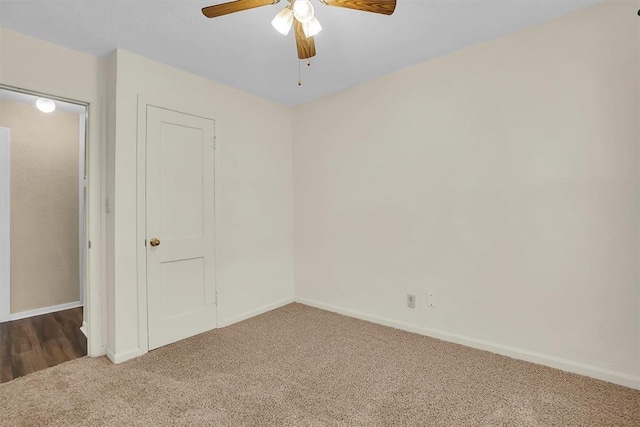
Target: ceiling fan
[300, 15]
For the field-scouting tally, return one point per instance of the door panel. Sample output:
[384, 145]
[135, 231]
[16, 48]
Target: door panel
[180, 214]
[191, 295]
[182, 173]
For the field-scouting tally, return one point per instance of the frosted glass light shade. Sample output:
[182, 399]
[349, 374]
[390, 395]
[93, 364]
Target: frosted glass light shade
[45, 105]
[283, 21]
[303, 11]
[312, 27]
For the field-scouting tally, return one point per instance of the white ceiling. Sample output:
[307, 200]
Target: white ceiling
[244, 51]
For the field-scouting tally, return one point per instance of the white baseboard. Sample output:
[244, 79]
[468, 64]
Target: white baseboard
[110, 355]
[516, 353]
[97, 352]
[84, 328]
[44, 310]
[247, 315]
[123, 357]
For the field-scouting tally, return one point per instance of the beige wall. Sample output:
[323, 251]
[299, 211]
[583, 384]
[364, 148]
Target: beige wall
[503, 178]
[77, 76]
[44, 206]
[253, 195]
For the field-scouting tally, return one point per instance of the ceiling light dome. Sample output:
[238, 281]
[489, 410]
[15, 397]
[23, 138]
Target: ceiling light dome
[283, 21]
[312, 27]
[303, 11]
[45, 105]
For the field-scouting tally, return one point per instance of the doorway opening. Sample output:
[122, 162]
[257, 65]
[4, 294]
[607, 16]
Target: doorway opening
[43, 240]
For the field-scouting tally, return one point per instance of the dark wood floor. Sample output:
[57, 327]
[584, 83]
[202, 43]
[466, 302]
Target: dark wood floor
[35, 343]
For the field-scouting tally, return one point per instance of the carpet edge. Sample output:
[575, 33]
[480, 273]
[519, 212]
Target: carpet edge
[256, 312]
[562, 364]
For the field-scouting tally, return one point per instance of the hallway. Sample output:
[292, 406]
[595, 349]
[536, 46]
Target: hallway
[39, 342]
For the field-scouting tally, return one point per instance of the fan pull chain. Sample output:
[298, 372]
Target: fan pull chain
[300, 71]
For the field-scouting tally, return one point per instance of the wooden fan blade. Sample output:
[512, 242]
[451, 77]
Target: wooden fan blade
[385, 7]
[306, 46]
[234, 6]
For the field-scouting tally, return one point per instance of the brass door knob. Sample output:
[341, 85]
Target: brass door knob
[154, 242]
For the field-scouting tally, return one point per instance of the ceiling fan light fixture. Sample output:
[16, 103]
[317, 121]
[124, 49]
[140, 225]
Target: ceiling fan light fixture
[303, 11]
[283, 21]
[312, 27]
[300, 15]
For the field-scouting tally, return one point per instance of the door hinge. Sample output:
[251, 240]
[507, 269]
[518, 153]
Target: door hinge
[214, 142]
[89, 244]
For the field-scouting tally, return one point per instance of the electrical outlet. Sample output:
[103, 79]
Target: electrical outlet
[411, 301]
[431, 302]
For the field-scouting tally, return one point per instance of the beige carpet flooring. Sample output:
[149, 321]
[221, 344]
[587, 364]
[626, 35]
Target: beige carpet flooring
[303, 366]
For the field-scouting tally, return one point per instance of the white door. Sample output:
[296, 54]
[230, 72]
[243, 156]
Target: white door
[180, 235]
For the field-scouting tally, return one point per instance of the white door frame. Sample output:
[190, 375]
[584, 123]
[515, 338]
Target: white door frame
[82, 208]
[5, 246]
[5, 221]
[141, 208]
